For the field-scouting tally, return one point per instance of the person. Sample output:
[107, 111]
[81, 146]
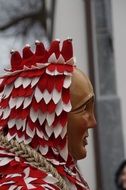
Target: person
[46, 109]
[120, 177]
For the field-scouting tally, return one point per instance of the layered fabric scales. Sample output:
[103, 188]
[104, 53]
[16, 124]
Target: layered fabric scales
[35, 100]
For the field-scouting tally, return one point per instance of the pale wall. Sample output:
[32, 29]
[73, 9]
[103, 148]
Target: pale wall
[119, 29]
[70, 22]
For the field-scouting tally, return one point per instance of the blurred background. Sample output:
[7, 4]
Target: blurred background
[98, 30]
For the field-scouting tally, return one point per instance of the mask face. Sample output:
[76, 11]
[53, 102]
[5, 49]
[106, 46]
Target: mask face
[81, 117]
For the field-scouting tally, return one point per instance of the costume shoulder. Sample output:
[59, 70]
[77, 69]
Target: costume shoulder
[16, 174]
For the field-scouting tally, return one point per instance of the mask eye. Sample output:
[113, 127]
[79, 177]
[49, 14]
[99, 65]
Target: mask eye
[85, 107]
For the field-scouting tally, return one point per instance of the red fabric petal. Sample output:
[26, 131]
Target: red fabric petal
[60, 68]
[20, 133]
[51, 67]
[27, 53]
[35, 105]
[65, 95]
[59, 82]
[57, 118]
[69, 68]
[14, 113]
[50, 83]
[51, 107]
[4, 103]
[3, 122]
[19, 113]
[40, 49]
[32, 73]
[22, 92]
[42, 84]
[16, 61]
[9, 80]
[43, 106]
[54, 48]
[63, 118]
[24, 113]
[31, 124]
[12, 131]
[67, 49]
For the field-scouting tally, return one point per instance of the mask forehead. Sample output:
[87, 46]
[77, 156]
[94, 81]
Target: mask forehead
[81, 89]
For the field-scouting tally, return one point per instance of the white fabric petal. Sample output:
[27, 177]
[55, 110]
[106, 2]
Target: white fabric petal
[61, 59]
[49, 130]
[19, 102]
[41, 117]
[43, 150]
[5, 160]
[12, 102]
[52, 58]
[33, 115]
[27, 172]
[27, 141]
[71, 61]
[67, 73]
[67, 82]
[19, 188]
[59, 108]
[55, 151]
[48, 187]
[42, 65]
[13, 187]
[47, 96]
[64, 131]
[26, 82]
[56, 96]
[27, 102]
[39, 133]
[30, 186]
[1, 111]
[64, 152]
[7, 182]
[38, 95]
[18, 82]
[13, 175]
[9, 137]
[57, 130]
[7, 90]
[67, 107]
[50, 72]
[6, 113]
[50, 179]
[20, 123]
[46, 137]
[29, 132]
[57, 73]
[7, 153]
[11, 123]
[20, 139]
[71, 186]
[50, 118]
[34, 81]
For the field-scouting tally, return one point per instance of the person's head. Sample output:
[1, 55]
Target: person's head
[120, 177]
[48, 102]
[81, 117]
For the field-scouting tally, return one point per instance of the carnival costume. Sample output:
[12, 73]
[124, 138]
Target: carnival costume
[35, 100]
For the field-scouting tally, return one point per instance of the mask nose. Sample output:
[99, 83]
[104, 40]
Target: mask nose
[92, 121]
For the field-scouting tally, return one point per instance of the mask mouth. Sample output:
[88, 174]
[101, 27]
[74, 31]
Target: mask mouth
[85, 142]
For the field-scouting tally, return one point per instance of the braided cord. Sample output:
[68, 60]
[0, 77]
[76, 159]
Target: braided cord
[34, 158]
